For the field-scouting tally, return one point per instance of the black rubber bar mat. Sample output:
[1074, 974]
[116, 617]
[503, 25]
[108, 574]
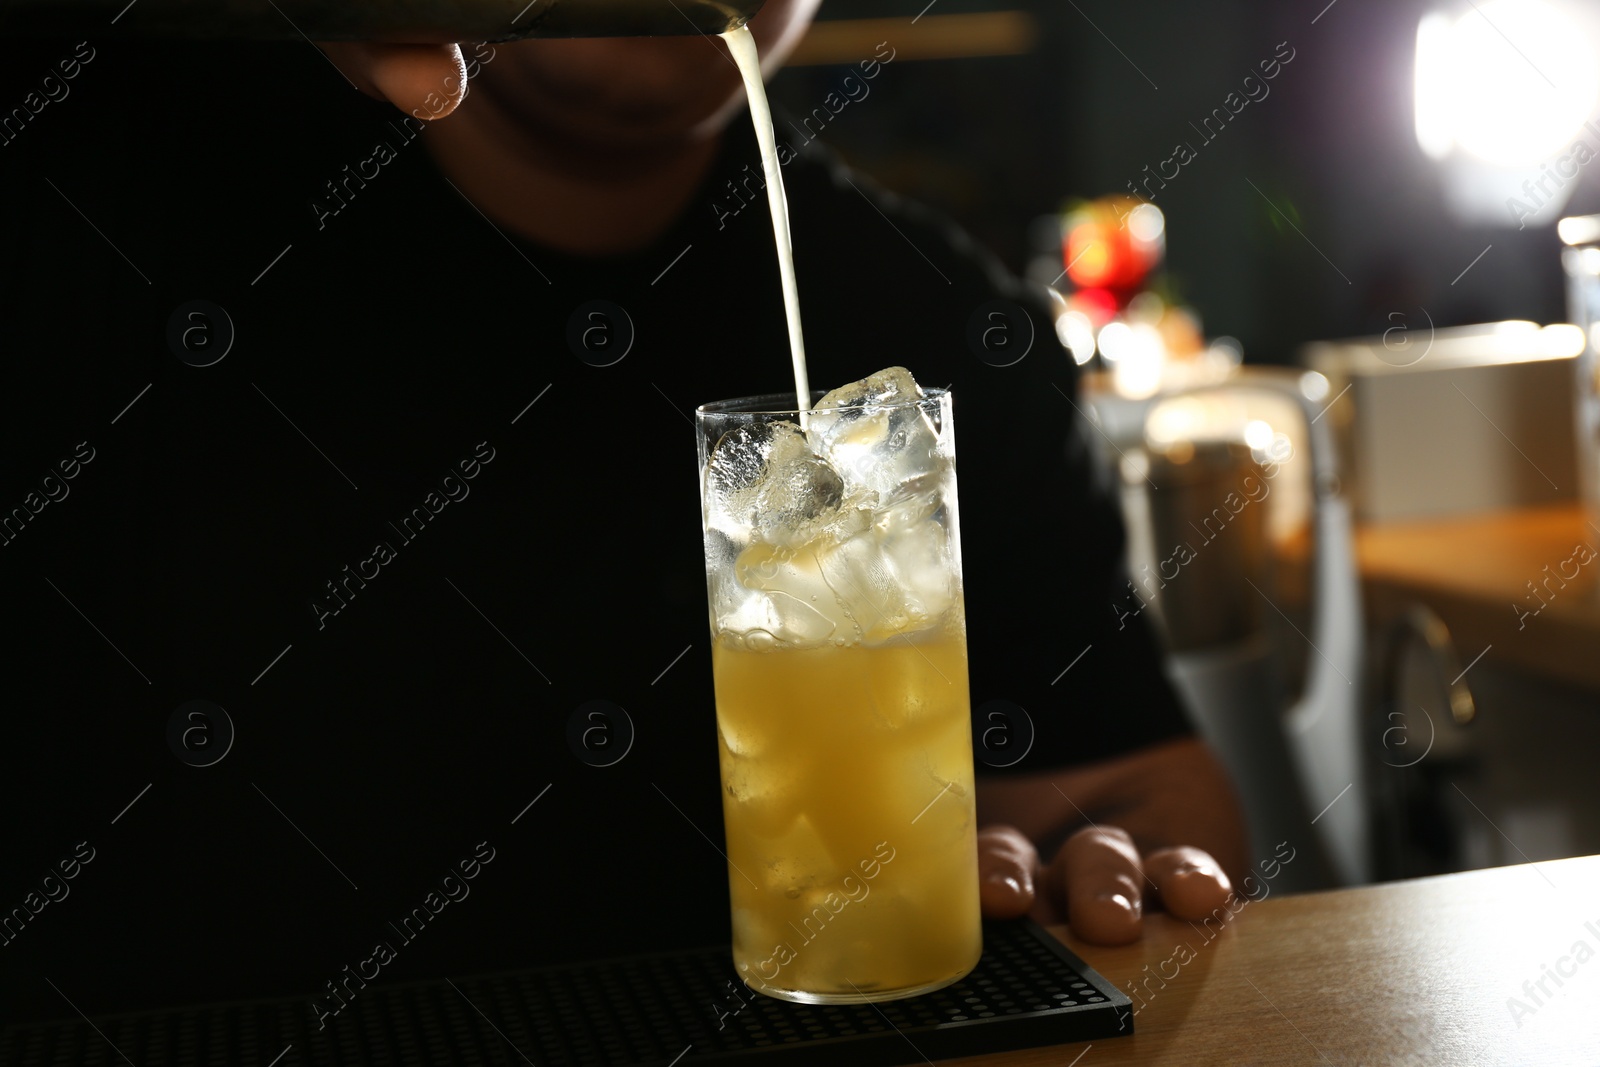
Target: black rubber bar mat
[657, 1010]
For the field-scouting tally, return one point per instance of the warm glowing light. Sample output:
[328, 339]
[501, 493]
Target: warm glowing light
[1077, 335]
[1175, 420]
[1146, 223]
[1116, 340]
[1580, 230]
[1098, 304]
[1112, 243]
[1434, 84]
[1314, 385]
[1088, 257]
[1137, 371]
[1179, 452]
[1257, 434]
[1563, 339]
[1509, 81]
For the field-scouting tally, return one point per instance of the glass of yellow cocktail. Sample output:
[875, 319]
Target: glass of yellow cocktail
[833, 567]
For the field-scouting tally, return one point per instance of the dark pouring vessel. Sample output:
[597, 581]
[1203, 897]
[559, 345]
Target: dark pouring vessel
[395, 21]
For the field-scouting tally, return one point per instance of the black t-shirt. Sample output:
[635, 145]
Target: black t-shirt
[402, 533]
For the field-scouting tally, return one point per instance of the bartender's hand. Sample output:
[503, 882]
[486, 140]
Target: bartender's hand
[1097, 883]
[425, 80]
[1160, 827]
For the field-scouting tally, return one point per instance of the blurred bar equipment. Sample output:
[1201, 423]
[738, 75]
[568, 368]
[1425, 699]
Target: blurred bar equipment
[1581, 260]
[1417, 401]
[1256, 599]
[1193, 478]
[1240, 544]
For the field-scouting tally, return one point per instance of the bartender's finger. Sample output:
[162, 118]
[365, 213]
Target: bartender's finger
[1006, 864]
[1191, 884]
[425, 80]
[1099, 874]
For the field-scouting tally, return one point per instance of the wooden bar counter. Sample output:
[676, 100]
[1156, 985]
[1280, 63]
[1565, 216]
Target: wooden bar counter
[1482, 573]
[1445, 970]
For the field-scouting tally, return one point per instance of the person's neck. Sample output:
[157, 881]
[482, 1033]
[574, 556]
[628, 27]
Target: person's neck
[570, 201]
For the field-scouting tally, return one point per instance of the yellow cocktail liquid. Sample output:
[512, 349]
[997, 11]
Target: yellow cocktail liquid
[849, 808]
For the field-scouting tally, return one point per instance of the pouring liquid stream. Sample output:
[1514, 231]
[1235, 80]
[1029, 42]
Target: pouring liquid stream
[742, 43]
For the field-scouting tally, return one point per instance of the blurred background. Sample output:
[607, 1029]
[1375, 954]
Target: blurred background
[999, 113]
[1340, 346]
